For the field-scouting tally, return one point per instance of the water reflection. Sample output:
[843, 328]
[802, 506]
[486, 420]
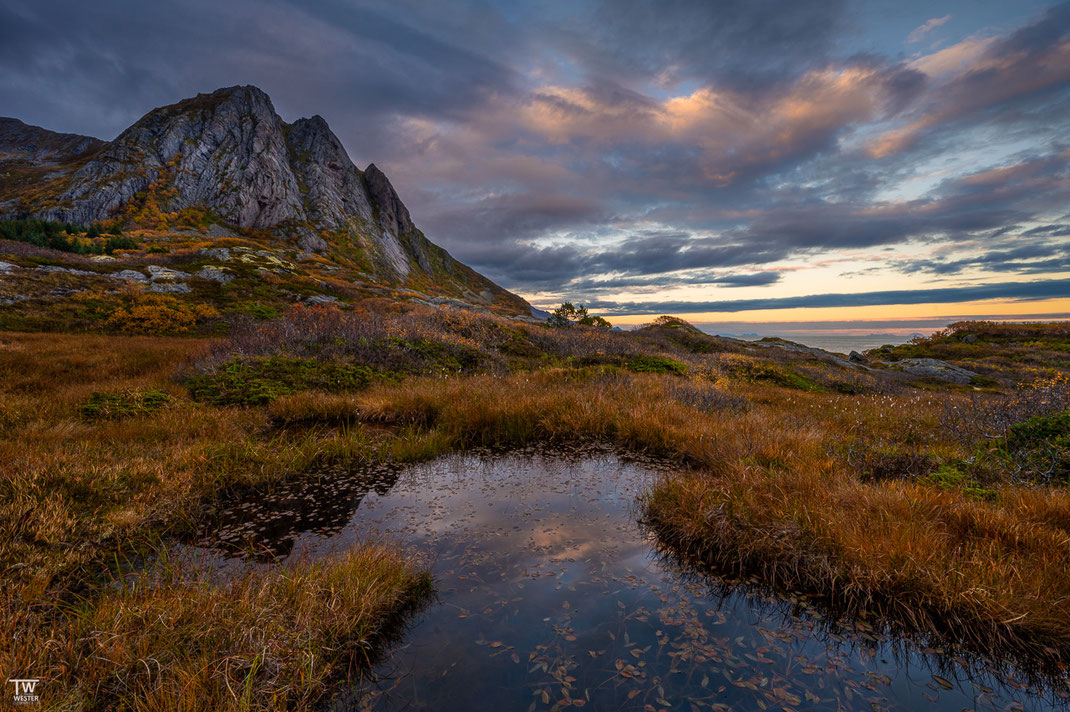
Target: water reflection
[552, 596]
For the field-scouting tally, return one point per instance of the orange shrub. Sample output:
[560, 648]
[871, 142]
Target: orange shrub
[159, 314]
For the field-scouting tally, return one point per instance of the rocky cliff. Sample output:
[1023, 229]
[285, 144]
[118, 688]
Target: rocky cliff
[228, 158]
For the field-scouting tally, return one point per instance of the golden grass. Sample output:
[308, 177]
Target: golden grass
[769, 494]
[77, 496]
[767, 490]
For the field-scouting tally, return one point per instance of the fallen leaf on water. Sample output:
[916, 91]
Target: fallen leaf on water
[943, 682]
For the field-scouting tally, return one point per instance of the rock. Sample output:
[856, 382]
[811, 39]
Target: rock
[856, 357]
[215, 230]
[6, 267]
[157, 273]
[217, 253]
[129, 275]
[103, 258]
[935, 368]
[969, 339]
[215, 274]
[311, 242]
[51, 269]
[320, 299]
[170, 288]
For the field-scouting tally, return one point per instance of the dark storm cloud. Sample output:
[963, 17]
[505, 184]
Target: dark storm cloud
[1019, 291]
[734, 42]
[121, 58]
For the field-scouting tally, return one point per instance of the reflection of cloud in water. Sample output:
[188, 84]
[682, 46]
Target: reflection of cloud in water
[549, 593]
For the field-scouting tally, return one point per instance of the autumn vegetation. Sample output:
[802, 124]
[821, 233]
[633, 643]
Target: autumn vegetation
[943, 508]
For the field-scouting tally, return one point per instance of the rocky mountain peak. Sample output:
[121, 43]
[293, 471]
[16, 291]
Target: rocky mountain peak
[229, 157]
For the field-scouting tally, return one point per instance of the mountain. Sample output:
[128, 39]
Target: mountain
[224, 163]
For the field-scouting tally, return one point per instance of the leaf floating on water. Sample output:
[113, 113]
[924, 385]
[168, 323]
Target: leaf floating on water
[943, 682]
[496, 644]
[516, 658]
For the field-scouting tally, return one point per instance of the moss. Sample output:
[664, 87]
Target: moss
[953, 476]
[655, 364]
[262, 380]
[125, 404]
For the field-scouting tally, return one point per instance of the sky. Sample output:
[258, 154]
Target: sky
[730, 160]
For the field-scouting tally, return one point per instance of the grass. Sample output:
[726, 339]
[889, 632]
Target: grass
[920, 504]
[258, 641]
[80, 497]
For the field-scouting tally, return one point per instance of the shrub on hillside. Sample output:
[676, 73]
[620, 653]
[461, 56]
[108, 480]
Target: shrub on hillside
[142, 313]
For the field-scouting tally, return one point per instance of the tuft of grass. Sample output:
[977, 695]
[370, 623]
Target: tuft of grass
[263, 640]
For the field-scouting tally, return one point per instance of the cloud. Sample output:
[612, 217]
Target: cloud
[919, 33]
[985, 75]
[1020, 291]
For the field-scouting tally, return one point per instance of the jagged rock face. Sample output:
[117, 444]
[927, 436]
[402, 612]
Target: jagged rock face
[225, 152]
[230, 153]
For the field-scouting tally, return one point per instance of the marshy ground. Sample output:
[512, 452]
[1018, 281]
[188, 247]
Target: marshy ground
[940, 508]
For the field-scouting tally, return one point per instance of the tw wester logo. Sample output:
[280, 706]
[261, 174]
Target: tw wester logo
[26, 691]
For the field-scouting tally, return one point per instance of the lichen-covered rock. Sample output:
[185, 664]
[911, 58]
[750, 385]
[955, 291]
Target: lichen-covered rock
[320, 299]
[215, 274]
[935, 368]
[170, 288]
[217, 253]
[129, 275]
[157, 273]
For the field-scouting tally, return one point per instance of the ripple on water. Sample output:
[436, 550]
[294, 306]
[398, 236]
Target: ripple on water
[551, 595]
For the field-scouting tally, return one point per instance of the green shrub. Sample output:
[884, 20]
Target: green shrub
[119, 243]
[952, 476]
[655, 364]
[259, 381]
[1040, 447]
[125, 404]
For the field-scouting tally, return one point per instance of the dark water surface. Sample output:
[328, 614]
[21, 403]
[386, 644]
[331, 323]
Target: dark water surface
[551, 595]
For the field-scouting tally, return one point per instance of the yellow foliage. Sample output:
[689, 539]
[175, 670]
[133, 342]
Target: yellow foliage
[159, 314]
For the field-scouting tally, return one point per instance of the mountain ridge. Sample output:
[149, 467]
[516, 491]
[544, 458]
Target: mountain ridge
[227, 157]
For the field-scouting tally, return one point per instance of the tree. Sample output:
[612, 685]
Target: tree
[568, 314]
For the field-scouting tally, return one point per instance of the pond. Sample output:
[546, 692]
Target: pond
[551, 594]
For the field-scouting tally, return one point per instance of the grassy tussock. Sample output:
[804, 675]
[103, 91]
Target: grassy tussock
[263, 641]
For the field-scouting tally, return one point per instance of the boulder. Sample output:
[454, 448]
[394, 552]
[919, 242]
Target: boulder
[169, 288]
[129, 275]
[935, 368]
[215, 274]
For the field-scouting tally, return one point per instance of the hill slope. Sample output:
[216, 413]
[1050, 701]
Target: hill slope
[226, 164]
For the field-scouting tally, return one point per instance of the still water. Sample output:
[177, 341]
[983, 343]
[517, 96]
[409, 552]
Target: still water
[552, 595]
